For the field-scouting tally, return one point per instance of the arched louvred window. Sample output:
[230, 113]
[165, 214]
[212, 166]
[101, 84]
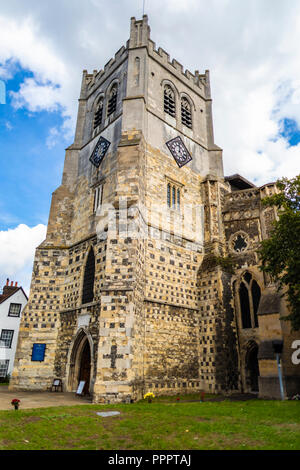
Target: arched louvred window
[186, 112]
[112, 100]
[169, 101]
[245, 306]
[255, 291]
[98, 114]
[89, 279]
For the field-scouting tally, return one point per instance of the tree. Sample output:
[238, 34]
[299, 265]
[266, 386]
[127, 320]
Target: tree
[280, 254]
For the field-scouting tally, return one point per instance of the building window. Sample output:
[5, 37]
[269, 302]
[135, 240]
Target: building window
[169, 101]
[186, 113]
[6, 338]
[14, 310]
[3, 367]
[112, 100]
[249, 294]
[89, 279]
[173, 196]
[98, 114]
[98, 194]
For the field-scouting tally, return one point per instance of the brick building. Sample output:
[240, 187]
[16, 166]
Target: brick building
[129, 290]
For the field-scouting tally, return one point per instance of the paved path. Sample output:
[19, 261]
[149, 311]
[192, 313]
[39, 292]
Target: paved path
[39, 399]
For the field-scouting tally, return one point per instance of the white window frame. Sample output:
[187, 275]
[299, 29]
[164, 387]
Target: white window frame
[5, 363]
[12, 314]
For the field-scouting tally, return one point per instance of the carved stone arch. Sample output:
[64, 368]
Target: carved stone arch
[183, 94]
[165, 81]
[112, 83]
[79, 344]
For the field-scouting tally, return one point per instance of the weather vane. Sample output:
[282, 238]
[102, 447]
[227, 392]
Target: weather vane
[144, 7]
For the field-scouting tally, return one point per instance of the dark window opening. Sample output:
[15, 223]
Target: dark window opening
[245, 306]
[186, 113]
[98, 114]
[255, 291]
[89, 279]
[240, 244]
[112, 102]
[169, 101]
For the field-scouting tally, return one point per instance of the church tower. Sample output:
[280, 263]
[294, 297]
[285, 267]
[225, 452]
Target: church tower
[127, 293]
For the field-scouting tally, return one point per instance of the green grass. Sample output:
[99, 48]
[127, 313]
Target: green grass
[254, 424]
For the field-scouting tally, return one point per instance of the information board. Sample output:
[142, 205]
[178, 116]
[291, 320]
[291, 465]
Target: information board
[38, 352]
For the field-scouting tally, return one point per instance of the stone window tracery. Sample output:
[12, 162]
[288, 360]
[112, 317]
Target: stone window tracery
[249, 294]
[239, 242]
[173, 196]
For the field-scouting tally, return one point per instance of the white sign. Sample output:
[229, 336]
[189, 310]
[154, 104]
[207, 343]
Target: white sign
[80, 387]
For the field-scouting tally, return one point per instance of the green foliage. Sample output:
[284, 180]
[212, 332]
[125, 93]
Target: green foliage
[226, 263]
[280, 254]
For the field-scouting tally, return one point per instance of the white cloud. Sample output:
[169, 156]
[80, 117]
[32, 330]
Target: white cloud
[17, 248]
[251, 49]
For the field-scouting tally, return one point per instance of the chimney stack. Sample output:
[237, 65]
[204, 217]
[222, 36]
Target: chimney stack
[10, 289]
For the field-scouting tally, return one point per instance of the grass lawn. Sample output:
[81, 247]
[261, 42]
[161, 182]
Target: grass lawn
[254, 424]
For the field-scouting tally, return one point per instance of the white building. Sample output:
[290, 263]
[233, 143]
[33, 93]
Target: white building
[12, 303]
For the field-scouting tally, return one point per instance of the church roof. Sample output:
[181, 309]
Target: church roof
[238, 182]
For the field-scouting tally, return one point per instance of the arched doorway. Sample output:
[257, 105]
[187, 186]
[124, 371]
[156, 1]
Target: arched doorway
[80, 364]
[252, 368]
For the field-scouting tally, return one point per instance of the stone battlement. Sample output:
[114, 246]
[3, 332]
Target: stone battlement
[140, 37]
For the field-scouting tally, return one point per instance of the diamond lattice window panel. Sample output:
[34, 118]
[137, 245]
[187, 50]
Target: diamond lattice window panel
[179, 151]
[99, 151]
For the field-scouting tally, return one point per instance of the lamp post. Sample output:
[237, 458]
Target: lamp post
[277, 348]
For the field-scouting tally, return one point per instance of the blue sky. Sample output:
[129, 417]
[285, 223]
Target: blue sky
[30, 170]
[250, 48]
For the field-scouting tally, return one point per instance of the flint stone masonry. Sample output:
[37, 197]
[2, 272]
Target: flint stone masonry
[164, 313]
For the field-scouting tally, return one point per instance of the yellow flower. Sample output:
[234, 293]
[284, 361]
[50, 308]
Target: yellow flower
[149, 395]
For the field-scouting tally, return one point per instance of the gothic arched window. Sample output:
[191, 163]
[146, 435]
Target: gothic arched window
[169, 101]
[249, 296]
[89, 279]
[112, 100]
[186, 112]
[98, 113]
